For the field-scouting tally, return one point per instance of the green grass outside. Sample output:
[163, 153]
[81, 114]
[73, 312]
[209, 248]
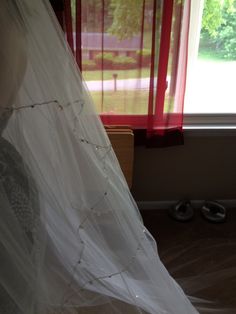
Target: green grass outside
[121, 74]
[210, 56]
[122, 102]
[126, 102]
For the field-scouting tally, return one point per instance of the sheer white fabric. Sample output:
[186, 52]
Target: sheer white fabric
[71, 237]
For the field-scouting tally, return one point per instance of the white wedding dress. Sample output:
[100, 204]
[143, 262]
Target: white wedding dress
[71, 236]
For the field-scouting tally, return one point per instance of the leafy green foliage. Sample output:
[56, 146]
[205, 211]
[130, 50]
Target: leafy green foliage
[109, 61]
[124, 62]
[105, 59]
[95, 15]
[219, 27]
[227, 33]
[145, 54]
[127, 18]
[88, 65]
[212, 16]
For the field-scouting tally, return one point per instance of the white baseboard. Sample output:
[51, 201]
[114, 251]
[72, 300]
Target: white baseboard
[157, 205]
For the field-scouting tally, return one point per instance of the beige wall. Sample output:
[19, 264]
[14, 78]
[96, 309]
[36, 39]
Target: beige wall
[204, 168]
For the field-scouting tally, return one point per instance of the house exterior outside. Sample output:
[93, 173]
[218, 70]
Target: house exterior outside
[94, 43]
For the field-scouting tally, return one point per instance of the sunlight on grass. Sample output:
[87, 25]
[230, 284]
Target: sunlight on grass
[209, 56]
[122, 102]
[128, 102]
[121, 74]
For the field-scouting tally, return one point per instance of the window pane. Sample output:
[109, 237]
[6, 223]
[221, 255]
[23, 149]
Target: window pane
[116, 54]
[211, 83]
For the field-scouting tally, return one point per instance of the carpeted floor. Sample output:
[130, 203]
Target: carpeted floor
[200, 255]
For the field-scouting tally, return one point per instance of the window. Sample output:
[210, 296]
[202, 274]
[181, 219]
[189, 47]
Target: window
[117, 39]
[210, 93]
[137, 61]
[133, 58]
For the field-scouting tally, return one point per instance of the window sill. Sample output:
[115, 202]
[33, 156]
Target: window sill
[209, 124]
[209, 131]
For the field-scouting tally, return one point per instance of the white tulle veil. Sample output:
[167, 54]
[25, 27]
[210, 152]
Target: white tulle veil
[71, 237]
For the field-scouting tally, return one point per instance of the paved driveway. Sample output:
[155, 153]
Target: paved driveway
[127, 84]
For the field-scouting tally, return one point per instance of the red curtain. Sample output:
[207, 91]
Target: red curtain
[133, 56]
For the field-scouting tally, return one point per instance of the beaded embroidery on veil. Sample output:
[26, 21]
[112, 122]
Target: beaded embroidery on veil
[72, 234]
[21, 193]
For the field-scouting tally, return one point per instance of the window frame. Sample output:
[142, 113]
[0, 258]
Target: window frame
[210, 124]
[205, 123]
